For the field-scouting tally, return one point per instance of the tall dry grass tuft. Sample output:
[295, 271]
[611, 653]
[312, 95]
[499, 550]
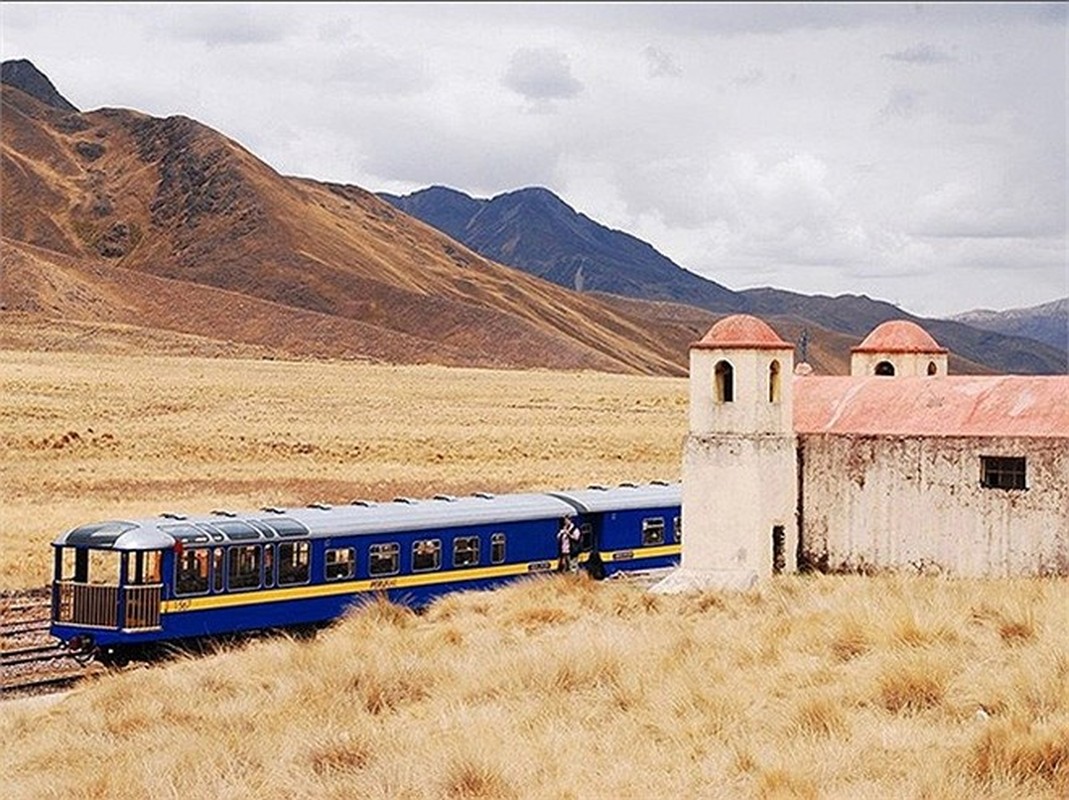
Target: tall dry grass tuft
[474, 779]
[821, 715]
[850, 639]
[782, 784]
[1021, 752]
[343, 751]
[912, 682]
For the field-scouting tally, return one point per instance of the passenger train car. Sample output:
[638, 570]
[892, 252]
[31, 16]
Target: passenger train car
[121, 588]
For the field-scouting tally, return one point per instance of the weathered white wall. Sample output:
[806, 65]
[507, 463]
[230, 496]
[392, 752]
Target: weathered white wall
[917, 503]
[735, 489]
[906, 364]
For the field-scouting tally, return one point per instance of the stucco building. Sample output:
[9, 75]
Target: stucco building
[898, 466]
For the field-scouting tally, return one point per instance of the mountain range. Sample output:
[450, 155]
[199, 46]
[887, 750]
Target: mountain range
[534, 230]
[1047, 323]
[122, 230]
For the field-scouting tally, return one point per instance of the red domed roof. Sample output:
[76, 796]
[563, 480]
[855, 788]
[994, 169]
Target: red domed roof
[741, 331]
[899, 336]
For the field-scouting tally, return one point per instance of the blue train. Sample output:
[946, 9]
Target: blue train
[122, 588]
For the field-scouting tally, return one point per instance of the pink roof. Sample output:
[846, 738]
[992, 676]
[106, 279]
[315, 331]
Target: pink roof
[957, 405]
[741, 331]
[898, 336]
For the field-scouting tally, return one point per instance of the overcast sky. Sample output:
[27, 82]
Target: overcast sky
[915, 153]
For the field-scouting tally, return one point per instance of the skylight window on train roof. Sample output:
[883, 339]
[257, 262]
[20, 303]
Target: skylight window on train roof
[262, 527]
[216, 535]
[185, 533]
[95, 528]
[236, 530]
[286, 526]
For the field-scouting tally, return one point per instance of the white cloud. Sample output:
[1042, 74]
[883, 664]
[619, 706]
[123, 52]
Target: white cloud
[912, 152]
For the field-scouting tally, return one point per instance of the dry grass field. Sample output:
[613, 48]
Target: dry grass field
[92, 436]
[558, 687]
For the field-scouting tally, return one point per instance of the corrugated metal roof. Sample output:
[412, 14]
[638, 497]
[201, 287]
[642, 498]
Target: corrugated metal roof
[956, 405]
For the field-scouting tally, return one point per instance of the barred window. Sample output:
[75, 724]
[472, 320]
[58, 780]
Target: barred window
[426, 555]
[1000, 472]
[341, 563]
[384, 559]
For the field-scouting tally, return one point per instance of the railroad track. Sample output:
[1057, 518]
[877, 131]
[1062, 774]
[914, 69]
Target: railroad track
[23, 628]
[31, 661]
[31, 655]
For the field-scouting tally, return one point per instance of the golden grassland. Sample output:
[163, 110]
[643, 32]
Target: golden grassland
[809, 687]
[88, 437]
[561, 687]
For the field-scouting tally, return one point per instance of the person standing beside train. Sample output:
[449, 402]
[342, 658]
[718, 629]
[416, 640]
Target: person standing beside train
[567, 546]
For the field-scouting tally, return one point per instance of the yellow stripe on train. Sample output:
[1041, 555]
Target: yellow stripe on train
[253, 596]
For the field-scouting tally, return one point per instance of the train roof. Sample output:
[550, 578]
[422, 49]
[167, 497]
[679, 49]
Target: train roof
[362, 518]
[595, 499]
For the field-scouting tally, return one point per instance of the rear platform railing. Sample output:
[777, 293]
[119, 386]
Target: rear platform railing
[97, 605]
[143, 607]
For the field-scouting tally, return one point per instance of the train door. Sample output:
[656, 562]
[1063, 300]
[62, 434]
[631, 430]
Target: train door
[589, 545]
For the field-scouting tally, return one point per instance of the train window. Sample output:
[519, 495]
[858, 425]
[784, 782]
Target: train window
[677, 530]
[243, 567]
[426, 555]
[81, 565]
[497, 548]
[142, 567]
[191, 572]
[465, 551]
[217, 569]
[292, 563]
[384, 559]
[266, 530]
[269, 564]
[652, 531]
[236, 530]
[341, 563]
[185, 533]
[286, 526]
[214, 534]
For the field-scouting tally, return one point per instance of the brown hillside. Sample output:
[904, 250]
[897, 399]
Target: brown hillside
[114, 216]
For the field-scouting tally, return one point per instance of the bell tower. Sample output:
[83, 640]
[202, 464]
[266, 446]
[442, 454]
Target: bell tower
[739, 461]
